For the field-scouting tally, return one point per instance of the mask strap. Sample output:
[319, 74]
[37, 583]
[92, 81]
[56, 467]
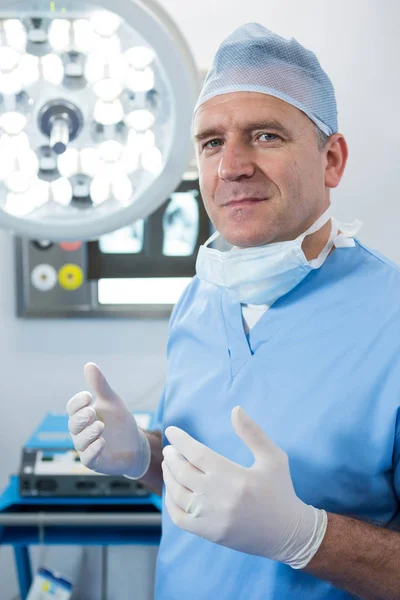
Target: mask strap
[211, 238]
[315, 263]
[348, 231]
[319, 223]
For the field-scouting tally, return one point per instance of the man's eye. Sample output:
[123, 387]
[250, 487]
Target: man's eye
[268, 134]
[212, 144]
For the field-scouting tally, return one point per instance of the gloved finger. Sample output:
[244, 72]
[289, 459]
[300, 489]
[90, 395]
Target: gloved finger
[181, 496]
[81, 419]
[78, 401]
[183, 471]
[98, 382]
[261, 445]
[198, 454]
[87, 436]
[91, 456]
[178, 516]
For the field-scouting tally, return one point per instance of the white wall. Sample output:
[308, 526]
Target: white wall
[41, 361]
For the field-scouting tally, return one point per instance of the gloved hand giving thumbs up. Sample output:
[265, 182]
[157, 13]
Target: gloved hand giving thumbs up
[105, 433]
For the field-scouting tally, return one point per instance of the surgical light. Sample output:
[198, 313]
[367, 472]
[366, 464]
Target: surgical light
[95, 111]
[141, 120]
[139, 57]
[105, 25]
[12, 122]
[58, 34]
[15, 34]
[52, 69]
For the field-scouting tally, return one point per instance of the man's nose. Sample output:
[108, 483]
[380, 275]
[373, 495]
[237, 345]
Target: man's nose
[236, 162]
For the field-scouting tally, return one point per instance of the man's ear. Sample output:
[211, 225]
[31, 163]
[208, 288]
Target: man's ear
[336, 158]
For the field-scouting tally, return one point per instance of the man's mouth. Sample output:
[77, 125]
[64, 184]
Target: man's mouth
[245, 201]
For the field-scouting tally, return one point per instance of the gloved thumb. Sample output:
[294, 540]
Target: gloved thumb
[252, 435]
[98, 382]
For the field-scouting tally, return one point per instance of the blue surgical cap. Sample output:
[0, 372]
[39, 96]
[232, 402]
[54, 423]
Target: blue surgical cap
[255, 59]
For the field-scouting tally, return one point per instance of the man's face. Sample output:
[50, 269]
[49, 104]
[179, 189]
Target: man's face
[262, 176]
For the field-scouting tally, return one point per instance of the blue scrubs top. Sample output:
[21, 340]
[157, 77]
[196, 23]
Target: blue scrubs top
[320, 373]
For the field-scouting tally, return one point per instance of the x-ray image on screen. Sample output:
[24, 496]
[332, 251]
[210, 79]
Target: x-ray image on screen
[164, 245]
[128, 240]
[181, 224]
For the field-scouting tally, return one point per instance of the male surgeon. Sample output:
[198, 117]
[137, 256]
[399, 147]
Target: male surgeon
[277, 442]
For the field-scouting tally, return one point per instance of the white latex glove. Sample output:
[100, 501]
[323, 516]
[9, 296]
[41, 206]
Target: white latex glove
[254, 510]
[106, 434]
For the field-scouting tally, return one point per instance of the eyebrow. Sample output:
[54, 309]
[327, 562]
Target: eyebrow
[270, 124]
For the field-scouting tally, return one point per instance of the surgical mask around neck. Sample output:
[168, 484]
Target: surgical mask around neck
[262, 274]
